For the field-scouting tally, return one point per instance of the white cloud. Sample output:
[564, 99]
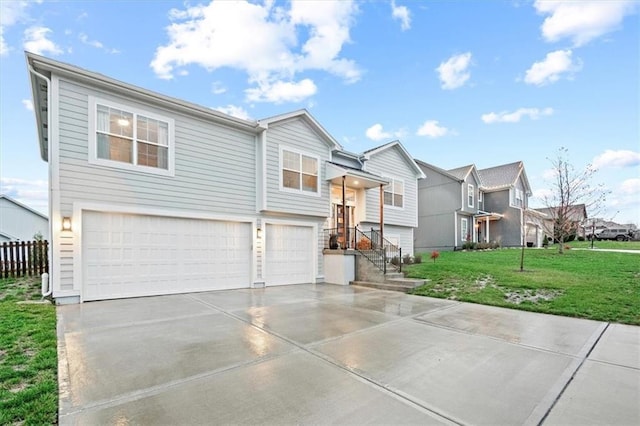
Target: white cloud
[93, 43]
[377, 133]
[616, 159]
[36, 41]
[11, 12]
[33, 193]
[432, 129]
[630, 186]
[516, 116]
[217, 88]
[582, 21]
[236, 111]
[274, 50]
[282, 91]
[402, 14]
[454, 72]
[552, 67]
[28, 104]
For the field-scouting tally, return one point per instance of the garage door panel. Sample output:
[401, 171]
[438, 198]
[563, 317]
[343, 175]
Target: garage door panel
[289, 254]
[136, 255]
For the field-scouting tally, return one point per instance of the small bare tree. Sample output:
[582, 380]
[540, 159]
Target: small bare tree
[570, 189]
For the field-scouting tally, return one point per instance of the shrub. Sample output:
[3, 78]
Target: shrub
[545, 241]
[581, 238]
[434, 255]
[469, 245]
[417, 258]
[407, 260]
[395, 260]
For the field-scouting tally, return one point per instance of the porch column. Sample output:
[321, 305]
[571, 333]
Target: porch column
[344, 214]
[381, 211]
[487, 231]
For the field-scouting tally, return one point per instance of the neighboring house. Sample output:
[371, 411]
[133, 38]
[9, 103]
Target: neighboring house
[506, 191]
[576, 216]
[469, 205]
[448, 209]
[20, 222]
[163, 196]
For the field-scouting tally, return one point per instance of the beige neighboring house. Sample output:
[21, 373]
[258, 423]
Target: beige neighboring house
[19, 222]
[577, 214]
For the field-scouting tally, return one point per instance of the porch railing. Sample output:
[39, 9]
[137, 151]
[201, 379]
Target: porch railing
[379, 251]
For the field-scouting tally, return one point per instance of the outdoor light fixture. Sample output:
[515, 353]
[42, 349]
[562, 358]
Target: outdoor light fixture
[66, 223]
[259, 233]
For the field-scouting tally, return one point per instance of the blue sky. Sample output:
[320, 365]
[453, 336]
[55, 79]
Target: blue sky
[457, 82]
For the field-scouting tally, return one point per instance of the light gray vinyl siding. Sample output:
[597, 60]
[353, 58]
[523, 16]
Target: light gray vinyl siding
[214, 167]
[404, 235]
[391, 163]
[346, 160]
[20, 223]
[298, 136]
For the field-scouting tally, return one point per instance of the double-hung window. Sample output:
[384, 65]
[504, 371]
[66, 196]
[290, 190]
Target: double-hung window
[470, 195]
[131, 139]
[299, 172]
[518, 197]
[394, 193]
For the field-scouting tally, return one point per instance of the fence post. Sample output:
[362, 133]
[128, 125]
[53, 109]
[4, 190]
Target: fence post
[400, 262]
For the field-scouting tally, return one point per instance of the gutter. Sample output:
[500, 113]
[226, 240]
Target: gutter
[46, 283]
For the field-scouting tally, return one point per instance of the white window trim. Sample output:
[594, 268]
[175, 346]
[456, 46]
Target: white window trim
[471, 195]
[300, 191]
[464, 229]
[513, 198]
[480, 196]
[93, 140]
[392, 181]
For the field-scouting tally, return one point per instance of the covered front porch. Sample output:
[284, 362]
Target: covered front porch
[349, 204]
[482, 227]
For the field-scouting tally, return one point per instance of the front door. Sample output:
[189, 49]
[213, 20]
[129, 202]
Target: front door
[345, 241]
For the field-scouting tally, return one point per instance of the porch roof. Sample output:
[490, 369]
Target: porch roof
[488, 215]
[353, 177]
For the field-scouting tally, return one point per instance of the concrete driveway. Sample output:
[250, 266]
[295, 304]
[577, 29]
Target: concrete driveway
[310, 354]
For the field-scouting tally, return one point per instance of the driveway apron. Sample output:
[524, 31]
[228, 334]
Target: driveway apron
[320, 354]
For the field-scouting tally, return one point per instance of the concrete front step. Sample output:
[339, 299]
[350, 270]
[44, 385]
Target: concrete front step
[394, 284]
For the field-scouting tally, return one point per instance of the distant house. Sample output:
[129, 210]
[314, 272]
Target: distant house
[469, 205]
[20, 222]
[576, 215]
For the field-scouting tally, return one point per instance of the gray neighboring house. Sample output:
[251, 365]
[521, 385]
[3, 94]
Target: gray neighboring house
[19, 222]
[448, 205]
[467, 204]
[153, 195]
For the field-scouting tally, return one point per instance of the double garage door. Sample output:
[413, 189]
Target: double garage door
[125, 255]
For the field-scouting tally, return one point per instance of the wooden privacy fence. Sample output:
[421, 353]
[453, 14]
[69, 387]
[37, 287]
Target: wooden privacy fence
[24, 258]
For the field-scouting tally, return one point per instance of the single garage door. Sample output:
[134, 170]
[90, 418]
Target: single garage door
[126, 255]
[289, 254]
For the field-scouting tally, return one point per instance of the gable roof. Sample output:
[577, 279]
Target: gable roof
[504, 176]
[40, 69]
[373, 151]
[19, 204]
[307, 118]
[424, 165]
[576, 212]
[461, 172]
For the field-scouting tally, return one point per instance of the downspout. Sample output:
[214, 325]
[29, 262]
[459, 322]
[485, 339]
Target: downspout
[46, 282]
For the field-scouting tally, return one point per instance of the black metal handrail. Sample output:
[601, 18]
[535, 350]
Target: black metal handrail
[392, 252]
[372, 252]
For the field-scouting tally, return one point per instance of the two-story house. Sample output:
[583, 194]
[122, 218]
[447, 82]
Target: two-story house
[449, 202]
[153, 195]
[470, 205]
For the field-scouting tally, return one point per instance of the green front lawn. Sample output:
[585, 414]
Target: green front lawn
[28, 355]
[616, 245]
[603, 286]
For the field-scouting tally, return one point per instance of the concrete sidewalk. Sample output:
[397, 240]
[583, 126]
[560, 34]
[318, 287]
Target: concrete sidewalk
[332, 354]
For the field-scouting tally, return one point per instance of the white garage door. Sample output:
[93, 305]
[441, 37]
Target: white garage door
[289, 255]
[127, 255]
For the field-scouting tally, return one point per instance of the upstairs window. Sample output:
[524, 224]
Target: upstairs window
[132, 139]
[299, 172]
[518, 198]
[471, 195]
[394, 193]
